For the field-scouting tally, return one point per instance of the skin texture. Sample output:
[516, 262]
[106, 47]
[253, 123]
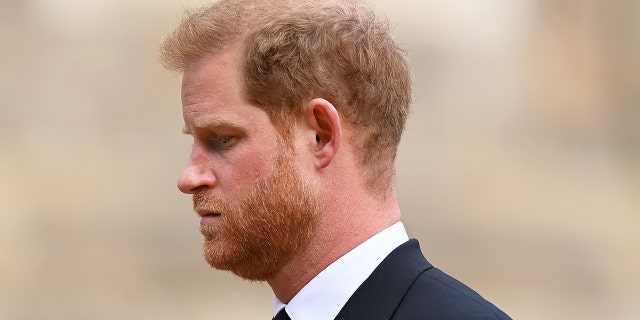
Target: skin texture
[236, 147]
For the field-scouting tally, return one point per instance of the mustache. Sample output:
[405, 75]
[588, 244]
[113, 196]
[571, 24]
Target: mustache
[204, 202]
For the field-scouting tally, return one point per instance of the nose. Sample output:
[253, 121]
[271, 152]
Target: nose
[196, 176]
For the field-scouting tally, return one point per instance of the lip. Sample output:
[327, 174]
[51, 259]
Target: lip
[204, 213]
[208, 217]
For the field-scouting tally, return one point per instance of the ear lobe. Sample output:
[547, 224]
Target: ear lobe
[324, 120]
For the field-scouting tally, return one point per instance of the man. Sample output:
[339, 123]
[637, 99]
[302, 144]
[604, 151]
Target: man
[296, 109]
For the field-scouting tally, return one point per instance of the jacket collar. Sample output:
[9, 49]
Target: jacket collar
[381, 293]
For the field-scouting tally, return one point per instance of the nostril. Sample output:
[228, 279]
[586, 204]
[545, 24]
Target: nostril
[198, 189]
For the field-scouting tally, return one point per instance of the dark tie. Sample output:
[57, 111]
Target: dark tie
[282, 315]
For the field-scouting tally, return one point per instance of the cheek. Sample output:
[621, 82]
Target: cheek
[245, 171]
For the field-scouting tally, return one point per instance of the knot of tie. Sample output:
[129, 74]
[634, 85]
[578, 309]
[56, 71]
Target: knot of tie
[282, 315]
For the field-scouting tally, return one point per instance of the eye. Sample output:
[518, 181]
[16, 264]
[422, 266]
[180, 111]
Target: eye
[222, 142]
[224, 139]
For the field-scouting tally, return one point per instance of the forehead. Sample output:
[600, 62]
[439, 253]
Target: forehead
[212, 74]
[212, 91]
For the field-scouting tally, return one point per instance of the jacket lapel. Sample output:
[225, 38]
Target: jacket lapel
[379, 295]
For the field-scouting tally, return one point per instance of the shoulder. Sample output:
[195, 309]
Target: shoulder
[436, 295]
[405, 286]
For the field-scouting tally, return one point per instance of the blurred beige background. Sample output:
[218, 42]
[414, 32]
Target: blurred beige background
[519, 171]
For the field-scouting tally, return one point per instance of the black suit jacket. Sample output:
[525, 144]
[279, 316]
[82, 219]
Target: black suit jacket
[406, 286]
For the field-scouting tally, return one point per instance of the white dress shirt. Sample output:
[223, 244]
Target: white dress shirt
[325, 295]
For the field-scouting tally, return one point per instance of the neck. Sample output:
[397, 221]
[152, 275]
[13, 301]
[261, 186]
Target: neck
[347, 221]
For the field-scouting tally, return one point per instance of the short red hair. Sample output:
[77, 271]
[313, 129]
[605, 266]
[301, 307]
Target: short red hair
[299, 50]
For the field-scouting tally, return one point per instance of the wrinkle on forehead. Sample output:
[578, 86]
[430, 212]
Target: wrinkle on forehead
[194, 94]
[210, 76]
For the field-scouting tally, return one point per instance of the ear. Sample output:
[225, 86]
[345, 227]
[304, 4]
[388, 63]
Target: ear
[323, 119]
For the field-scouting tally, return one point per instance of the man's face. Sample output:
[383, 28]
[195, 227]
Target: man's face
[257, 210]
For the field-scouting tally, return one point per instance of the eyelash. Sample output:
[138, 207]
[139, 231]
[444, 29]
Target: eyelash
[222, 141]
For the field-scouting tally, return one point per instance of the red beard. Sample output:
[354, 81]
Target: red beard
[257, 236]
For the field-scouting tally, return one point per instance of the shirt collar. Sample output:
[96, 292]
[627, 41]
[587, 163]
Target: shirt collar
[325, 295]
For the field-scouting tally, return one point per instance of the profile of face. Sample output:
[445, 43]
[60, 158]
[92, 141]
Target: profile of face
[260, 232]
[257, 209]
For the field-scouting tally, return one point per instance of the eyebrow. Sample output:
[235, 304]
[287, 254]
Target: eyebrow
[213, 124]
